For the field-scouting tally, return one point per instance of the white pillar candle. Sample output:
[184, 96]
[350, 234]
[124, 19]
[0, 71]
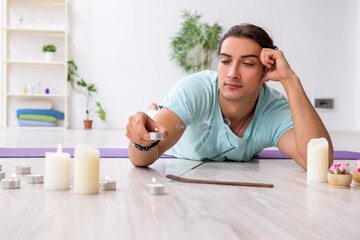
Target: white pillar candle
[57, 170]
[86, 170]
[317, 160]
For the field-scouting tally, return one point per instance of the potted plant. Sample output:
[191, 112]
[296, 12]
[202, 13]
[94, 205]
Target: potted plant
[356, 174]
[93, 108]
[193, 47]
[49, 52]
[339, 176]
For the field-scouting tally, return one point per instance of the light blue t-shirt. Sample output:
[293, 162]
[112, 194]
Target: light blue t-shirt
[195, 99]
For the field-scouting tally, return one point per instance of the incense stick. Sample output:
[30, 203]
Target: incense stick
[206, 161]
[245, 184]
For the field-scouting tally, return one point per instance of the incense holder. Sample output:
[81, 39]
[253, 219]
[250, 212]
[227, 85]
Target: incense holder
[356, 177]
[339, 180]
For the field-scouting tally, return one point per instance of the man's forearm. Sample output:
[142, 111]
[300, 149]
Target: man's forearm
[307, 123]
[142, 158]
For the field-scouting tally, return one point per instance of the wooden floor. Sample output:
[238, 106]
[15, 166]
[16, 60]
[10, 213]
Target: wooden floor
[293, 209]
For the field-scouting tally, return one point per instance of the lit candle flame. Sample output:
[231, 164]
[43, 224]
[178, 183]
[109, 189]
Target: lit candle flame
[156, 130]
[154, 180]
[106, 178]
[13, 175]
[59, 148]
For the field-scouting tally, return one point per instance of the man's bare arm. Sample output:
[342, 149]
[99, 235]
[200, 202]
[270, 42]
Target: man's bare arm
[307, 123]
[137, 131]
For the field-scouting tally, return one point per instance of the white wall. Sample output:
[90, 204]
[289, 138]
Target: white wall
[123, 46]
[358, 67]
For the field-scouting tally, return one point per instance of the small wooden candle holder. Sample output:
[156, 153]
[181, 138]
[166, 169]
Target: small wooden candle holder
[356, 176]
[339, 180]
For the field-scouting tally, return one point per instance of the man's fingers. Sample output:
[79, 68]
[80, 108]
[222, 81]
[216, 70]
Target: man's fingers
[139, 126]
[267, 57]
[141, 121]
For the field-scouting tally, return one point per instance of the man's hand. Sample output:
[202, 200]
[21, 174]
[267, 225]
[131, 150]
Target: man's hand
[139, 126]
[307, 123]
[277, 67]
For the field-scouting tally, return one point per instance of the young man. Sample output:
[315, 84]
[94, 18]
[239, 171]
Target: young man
[208, 113]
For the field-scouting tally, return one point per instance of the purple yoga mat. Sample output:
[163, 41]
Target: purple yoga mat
[123, 153]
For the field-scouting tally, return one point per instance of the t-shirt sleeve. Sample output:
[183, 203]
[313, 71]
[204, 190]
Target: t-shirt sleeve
[278, 120]
[187, 98]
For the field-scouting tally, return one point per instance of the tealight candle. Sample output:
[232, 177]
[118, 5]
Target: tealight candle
[23, 169]
[156, 135]
[2, 175]
[107, 185]
[57, 170]
[155, 188]
[11, 183]
[34, 179]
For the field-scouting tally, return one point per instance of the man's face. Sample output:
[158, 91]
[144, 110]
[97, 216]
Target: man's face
[239, 69]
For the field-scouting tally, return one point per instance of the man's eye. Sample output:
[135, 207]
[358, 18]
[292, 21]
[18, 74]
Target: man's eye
[224, 61]
[248, 64]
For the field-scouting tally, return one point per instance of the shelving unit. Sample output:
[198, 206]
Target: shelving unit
[22, 62]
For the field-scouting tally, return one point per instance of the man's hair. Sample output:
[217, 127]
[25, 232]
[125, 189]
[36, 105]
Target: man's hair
[250, 31]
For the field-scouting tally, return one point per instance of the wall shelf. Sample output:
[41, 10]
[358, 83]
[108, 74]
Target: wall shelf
[41, 1]
[34, 63]
[22, 60]
[42, 128]
[33, 95]
[35, 31]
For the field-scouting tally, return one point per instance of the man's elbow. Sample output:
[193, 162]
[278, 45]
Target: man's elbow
[139, 164]
[142, 162]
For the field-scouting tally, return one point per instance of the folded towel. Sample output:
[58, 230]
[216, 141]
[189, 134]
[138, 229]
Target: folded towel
[34, 104]
[57, 114]
[36, 117]
[30, 123]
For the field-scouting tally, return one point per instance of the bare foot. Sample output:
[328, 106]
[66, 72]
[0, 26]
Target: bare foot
[152, 106]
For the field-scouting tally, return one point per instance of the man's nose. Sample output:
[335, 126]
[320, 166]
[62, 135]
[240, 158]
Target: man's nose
[233, 72]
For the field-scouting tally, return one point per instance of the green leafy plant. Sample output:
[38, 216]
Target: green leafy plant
[195, 43]
[87, 89]
[49, 48]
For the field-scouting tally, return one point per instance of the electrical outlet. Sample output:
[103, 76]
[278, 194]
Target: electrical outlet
[324, 103]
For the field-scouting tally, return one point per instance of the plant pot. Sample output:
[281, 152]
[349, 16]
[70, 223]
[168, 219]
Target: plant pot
[88, 124]
[339, 180]
[49, 56]
[356, 176]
